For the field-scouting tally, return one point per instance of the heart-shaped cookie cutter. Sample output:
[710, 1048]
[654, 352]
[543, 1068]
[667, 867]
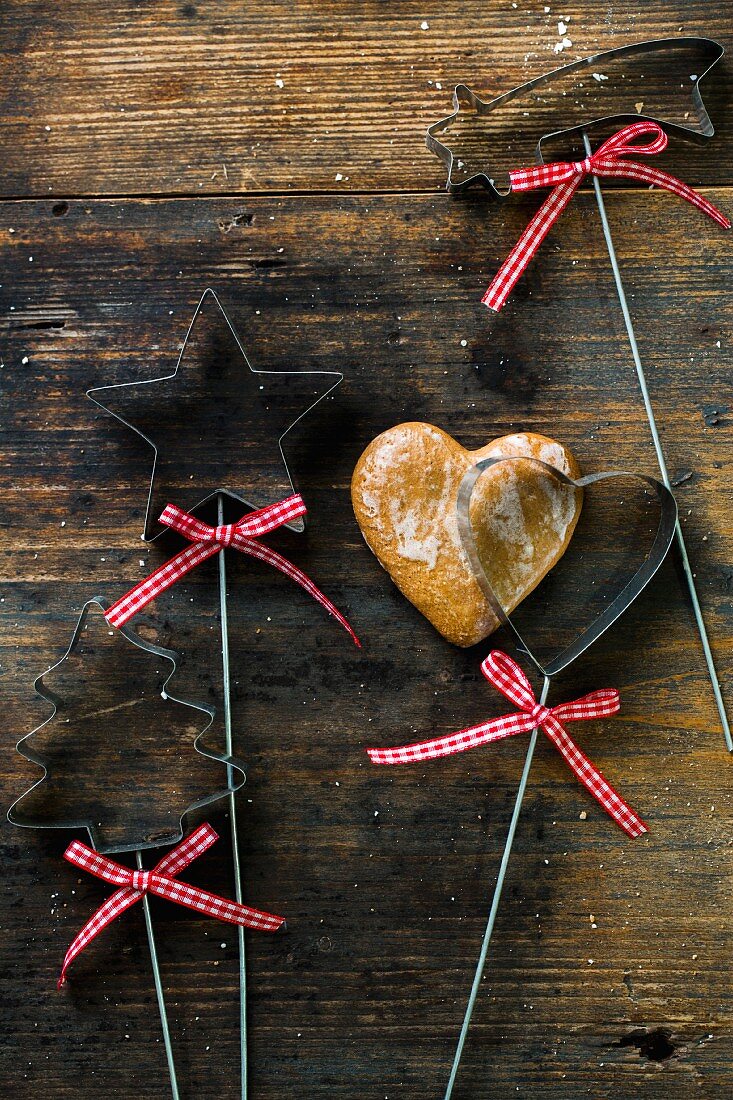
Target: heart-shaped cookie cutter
[621, 601]
[661, 543]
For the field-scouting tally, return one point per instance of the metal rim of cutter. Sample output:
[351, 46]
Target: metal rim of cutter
[464, 94]
[297, 525]
[25, 750]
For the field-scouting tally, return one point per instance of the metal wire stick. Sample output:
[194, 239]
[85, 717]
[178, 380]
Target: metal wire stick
[481, 964]
[233, 804]
[686, 568]
[159, 988]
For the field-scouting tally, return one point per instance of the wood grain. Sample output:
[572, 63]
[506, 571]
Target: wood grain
[216, 96]
[384, 877]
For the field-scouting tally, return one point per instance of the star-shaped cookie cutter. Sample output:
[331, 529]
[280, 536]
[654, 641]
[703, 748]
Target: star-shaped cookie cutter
[253, 376]
[219, 491]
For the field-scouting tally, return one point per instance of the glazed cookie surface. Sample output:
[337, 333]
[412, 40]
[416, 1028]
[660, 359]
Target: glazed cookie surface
[404, 491]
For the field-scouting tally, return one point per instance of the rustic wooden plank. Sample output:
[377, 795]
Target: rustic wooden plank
[129, 98]
[384, 878]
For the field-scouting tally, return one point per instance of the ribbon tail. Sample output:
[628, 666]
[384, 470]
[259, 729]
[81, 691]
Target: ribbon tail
[271, 557]
[646, 174]
[112, 908]
[161, 579]
[612, 802]
[518, 259]
[495, 730]
[211, 905]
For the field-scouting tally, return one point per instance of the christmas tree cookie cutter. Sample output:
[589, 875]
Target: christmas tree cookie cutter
[18, 815]
[105, 840]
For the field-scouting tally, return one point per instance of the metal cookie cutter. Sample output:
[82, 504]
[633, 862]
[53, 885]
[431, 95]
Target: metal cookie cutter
[126, 712]
[229, 382]
[114, 823]
[700, 53]
[166, 407]
[620, 602]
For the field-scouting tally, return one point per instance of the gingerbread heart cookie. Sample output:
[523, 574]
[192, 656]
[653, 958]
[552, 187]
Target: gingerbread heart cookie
[404, 492]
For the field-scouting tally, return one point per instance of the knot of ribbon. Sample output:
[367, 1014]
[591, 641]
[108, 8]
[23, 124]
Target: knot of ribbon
[207, 541]
[566, 176]
[140, 881]
[501, 671]
[223, 535]
[133, 885]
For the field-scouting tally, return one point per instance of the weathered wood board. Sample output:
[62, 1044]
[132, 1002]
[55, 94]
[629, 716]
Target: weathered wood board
[384, 877]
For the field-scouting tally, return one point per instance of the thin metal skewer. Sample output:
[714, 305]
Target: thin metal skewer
[686, 568]
[481, 964]
[233, 803]
[159, 988]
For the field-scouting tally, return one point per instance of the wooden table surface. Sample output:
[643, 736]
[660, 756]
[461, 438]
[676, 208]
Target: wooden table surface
[276, 152]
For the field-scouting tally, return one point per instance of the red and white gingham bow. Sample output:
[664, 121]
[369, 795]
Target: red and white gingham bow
[566, 176]
[161, 881]
[507, 676]
[208, 541]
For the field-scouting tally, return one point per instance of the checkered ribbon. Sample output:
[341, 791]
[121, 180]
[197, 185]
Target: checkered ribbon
[507, 676]
[161, 881]
[566, 176]
[207, 541]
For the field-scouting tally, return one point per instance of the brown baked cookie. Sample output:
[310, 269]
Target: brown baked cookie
[404, 491]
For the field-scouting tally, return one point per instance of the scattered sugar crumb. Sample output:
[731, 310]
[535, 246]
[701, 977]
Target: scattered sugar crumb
[599, 77]
[424, 26]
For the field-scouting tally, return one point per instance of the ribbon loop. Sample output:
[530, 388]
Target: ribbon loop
[623, 142]
[506, 675]
[566, 176]
[508, 678]
[205, 541]
[134, 884]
